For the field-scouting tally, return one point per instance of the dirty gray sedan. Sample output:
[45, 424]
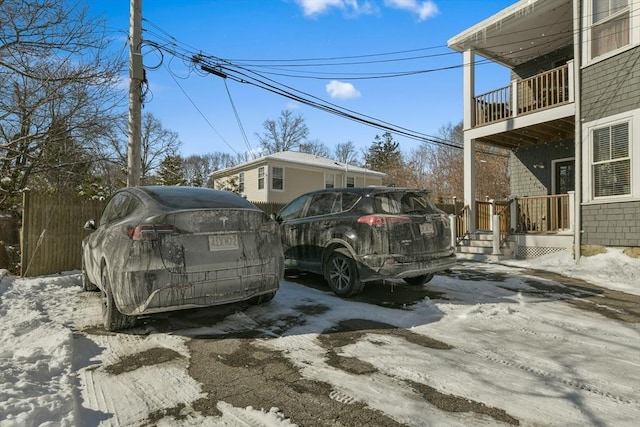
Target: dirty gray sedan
[159, 249]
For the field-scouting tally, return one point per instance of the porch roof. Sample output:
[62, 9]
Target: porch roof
[525, 30]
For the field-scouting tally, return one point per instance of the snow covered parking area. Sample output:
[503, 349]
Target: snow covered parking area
[486, 344]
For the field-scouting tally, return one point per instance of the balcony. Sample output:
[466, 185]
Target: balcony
[543, 91]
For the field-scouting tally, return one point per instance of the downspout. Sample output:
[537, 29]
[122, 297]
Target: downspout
[577, 98]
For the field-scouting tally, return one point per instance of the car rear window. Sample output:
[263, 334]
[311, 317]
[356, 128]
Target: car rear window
[197, 198]
[328, 203]
[404, 203]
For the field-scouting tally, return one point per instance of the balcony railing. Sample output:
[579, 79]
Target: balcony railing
[545, 90]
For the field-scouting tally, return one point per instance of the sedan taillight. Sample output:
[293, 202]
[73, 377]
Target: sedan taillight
[383, 220]
[150, 231]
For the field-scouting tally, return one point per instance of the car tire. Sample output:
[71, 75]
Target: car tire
[342, 274]
[113, 319]
[87, 286]
[419, 280]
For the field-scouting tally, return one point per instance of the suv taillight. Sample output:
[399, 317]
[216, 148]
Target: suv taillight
[150, 231]
[383, 220]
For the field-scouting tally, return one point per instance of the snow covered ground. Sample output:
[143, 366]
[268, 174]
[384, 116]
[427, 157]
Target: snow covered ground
[542, 361]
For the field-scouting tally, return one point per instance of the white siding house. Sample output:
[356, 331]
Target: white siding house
[280, 177]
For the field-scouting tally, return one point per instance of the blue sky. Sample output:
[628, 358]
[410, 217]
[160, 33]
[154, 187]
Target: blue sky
[354, 38]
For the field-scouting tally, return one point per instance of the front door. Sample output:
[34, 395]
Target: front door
[564, 176]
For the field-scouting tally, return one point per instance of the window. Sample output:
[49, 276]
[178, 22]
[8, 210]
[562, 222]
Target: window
[295, 208]
[351, 182]
[610, 26]
[277, 178]
[261, 178]
[611, 168]
[241, 182]
[329, 180]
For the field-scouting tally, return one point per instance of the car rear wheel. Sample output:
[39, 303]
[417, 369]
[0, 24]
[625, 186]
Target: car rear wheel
[113, 319]
[419, 280]
[342, 275]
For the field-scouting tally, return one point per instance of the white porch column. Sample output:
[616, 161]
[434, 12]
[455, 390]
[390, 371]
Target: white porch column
[572, 209]
[469, 144]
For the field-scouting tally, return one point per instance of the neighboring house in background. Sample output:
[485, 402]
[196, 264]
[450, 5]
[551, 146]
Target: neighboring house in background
[570, 117]
[280, 177]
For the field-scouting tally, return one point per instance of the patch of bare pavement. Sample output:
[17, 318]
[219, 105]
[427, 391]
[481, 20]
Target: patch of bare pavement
[240, 372]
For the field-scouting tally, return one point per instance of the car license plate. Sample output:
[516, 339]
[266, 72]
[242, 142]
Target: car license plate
[426, 228]
[223, 242]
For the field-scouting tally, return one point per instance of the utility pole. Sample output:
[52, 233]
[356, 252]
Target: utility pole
[136, 77]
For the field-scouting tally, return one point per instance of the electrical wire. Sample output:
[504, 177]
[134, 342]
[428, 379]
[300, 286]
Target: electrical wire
[240, 73]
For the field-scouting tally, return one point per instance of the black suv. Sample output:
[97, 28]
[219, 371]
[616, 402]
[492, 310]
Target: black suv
[356, 235]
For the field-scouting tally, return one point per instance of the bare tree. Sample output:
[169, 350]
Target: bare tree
[315, 147]
[345, 152]
[197, 168]
[284, 134]
[157, 142]
[440, 167]
[57, 86]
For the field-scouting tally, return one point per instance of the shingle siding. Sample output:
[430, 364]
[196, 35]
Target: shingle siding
[611, 224]
[611, 86]
[527, 180]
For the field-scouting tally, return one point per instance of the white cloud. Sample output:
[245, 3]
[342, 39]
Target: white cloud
[424, 9]
[318, 7]
[341, 90]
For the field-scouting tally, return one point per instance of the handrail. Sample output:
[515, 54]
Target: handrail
[505, 223]
[462, 224]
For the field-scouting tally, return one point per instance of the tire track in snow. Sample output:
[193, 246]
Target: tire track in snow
[580, 385]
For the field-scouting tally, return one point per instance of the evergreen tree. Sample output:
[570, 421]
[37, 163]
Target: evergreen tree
[384, 156]
[171, 171]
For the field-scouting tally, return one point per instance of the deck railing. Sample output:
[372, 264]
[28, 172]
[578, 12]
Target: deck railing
[543, 214]
[544, 90]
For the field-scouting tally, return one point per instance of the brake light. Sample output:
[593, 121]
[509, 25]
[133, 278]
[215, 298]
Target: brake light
[150, 231]
[383, 220]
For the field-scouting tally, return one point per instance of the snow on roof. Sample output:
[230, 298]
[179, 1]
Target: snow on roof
[299, 158]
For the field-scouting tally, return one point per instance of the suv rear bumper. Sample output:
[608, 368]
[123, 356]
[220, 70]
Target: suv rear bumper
[376, 267]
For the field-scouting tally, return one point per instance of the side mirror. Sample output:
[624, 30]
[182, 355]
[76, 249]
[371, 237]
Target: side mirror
[90, 225]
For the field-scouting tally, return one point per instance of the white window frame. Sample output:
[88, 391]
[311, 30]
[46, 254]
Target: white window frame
[329, 177]
[633, 119]
[351, 182]
[261, 179]
[241, 186]
[587, 26]
[272, 177]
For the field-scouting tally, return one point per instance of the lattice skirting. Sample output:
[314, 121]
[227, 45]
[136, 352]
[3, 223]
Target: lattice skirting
[537, 251]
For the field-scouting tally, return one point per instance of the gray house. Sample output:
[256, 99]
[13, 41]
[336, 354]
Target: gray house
[570, 117]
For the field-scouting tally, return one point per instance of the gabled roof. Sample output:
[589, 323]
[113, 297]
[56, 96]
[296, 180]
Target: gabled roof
[300, 159]
[520, 32]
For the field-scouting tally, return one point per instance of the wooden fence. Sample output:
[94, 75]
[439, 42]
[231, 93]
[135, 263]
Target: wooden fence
[52, 232]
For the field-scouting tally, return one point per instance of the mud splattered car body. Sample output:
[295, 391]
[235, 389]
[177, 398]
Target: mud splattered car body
[167, 248]
[356, 235]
